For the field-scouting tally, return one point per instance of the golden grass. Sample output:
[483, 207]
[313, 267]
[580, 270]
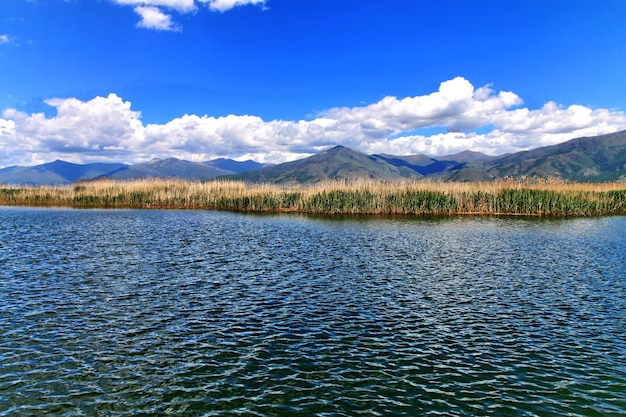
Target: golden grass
[512, 197]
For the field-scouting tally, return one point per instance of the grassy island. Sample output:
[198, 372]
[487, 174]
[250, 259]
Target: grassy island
[508, 197]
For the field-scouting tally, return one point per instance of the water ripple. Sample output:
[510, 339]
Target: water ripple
[213, 314]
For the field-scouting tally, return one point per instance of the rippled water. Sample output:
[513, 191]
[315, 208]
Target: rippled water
[206, 313]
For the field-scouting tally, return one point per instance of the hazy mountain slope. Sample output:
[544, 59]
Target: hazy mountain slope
[235, 167]
[421, 164]
[336, 163]
[467, 156]
[54, 173]
[61, 172]
[169, 168]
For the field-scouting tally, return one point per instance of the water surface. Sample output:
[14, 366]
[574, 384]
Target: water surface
[202, 313]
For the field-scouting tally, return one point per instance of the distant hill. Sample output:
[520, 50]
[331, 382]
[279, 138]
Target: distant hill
[422, 164]
[587, 159]
[236, 167]
[170, 167]
[600, 158]
[333, 164]
[468, 156]
[55, 173]
[61, 172]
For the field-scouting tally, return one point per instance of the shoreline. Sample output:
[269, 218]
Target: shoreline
[362, 197]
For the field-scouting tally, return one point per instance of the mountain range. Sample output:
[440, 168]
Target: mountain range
[62, 172]
[587, 159]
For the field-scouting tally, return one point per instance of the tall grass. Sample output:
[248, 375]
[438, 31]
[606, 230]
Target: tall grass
[357, 197]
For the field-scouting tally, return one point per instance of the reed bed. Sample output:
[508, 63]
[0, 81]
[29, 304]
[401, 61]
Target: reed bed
[506, 197]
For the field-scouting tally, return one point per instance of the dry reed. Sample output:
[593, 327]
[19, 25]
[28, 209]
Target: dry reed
[510, 197]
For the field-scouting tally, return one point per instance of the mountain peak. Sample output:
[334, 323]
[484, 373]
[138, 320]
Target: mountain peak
[59, 162]
[340, 149]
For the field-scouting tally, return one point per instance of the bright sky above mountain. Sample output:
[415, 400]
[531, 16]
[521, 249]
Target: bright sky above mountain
[274, 80]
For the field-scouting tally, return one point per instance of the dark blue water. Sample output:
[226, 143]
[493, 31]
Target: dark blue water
[203, 313]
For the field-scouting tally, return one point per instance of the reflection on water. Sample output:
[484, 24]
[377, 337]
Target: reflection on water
[207, 313]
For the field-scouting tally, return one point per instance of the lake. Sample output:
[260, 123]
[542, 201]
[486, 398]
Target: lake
[206, 313]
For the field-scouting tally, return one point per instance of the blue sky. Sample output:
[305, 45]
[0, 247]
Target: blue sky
[274, 80]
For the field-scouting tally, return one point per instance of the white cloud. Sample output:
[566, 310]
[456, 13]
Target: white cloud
[223, 5]
[154, 18]
[6, 39]
[182, 6]
[106, 129]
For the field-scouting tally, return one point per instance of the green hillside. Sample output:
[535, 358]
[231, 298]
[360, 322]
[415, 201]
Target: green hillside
[170, 167]
[333, 164]
[587, 159]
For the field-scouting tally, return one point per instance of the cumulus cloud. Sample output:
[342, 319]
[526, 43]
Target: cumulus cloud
[463, 117]
[4, 39]
[104, 128]
[456, 106]
[153, 16]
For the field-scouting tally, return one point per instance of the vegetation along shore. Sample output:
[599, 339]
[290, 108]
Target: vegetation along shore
[512, 197]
